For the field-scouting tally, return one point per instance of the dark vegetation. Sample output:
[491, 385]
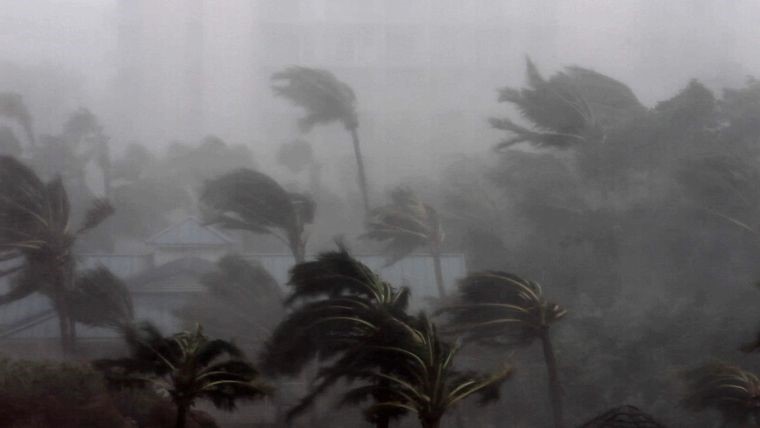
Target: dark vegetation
[642, 224]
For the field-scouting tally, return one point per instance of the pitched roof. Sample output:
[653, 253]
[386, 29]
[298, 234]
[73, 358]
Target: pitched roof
[190, 232]
[623, 417]
[193, 267]
[157, 291]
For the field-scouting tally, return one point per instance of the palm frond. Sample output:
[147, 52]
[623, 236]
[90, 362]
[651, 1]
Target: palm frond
[404, 225]
[497, 307]
[99, 211]
[100, 298]
[324, 98]
[735, 393]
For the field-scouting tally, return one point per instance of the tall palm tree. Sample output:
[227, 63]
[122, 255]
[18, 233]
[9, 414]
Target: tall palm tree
[338, 308]
[406, 224]
[574, 106]
[733, 392]
[36, 232]
[501, 309]
[249, 200]
[12, 107]
[187, 366]
[325, 99]
[422, 379]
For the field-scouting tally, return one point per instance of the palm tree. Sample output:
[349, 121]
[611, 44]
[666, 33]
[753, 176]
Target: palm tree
[187, 366]
[339, 307]
[249, 200]
[12, 107]
[574, 106]
[35, 231]
[100, 299]
[733, 392]
[422, 379]
[501, 309]
[406, 224]
[325, 99]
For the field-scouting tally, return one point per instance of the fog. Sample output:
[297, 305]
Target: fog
[139, 60]
[554, 206]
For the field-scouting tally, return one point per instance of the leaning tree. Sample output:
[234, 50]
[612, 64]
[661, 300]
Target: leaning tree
[502, 310]
[326, 100]
[405, 224]
[733, 392]
[36, 232]
[338, 307]
[252, 201]
[422, 379]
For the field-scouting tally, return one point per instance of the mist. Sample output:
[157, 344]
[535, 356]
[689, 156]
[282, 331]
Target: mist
[292, 212]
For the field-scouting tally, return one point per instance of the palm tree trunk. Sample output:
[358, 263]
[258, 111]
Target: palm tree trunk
[63, 326]
[360, 169]
[430, 422]
[435, 251]
[72, 334]
[297, 247]
[182, 409]
[555, 389]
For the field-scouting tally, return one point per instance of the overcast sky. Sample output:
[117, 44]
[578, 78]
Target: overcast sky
[654, 46]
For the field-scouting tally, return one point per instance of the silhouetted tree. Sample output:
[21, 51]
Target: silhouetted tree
[573, 106]
[339, 309]
[733, 392]
[249, 200]
[405, 224]
[503, 310]
[325, 99]
[187, 366]
[100, 299]
[422, 378]
[36, 230]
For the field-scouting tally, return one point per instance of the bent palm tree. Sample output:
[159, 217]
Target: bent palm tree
[187, 366]
[422, 379]
[571, 107]
[501, 309]
[100, 299]
[339, 307]
[733, 392]
[249, 200]
[325, 99]
[405, 224]
[35, 231]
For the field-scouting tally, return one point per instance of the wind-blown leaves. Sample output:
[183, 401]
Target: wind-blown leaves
[249, 200]
[733, 392]
[35, 226]
[499, 308]
[422, 378]
[187, 366]
[325, 98]
[100, 298]
[336, 301]
[572, 106]
[405, 224]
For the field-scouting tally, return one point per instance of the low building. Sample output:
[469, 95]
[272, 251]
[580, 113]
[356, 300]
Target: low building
[162, 280]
